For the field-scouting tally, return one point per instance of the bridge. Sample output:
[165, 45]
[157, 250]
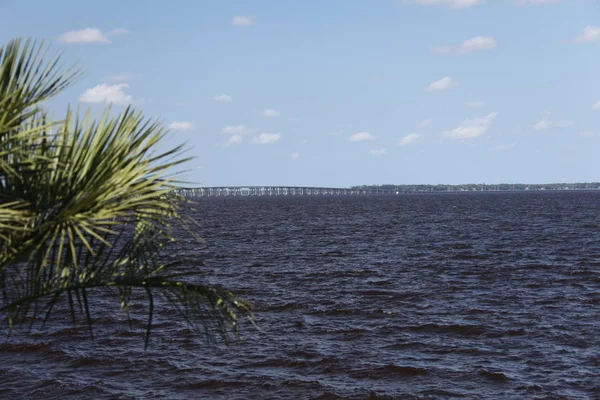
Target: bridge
[218, 191]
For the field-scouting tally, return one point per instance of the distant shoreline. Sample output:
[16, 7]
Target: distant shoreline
[482, 187]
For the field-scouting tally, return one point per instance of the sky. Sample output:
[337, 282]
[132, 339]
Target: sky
[342, 92]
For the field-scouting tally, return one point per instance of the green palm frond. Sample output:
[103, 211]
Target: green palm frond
[88, 205]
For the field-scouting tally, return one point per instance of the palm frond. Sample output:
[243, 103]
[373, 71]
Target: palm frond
[88, 205]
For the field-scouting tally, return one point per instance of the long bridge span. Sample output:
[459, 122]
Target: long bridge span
[275, 191]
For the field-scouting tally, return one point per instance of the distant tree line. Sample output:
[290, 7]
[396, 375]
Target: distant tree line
[482, 187]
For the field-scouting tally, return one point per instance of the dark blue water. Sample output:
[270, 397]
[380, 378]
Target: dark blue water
[478, 296]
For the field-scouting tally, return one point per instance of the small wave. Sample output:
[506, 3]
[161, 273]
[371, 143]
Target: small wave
[280, 307]
[391, 371]
[407, 346]
[380, 282]
[34, 347]
[375, 292]
[328, 396]
[536, 266]
[493, 376]
[469, 256]
[212, 384]
[289, 363]
[340, 273]
[334, 253]
[348, 330]
[461, 330]
[530, 388]
[332, 312]
[302, 354]
[88, 361]
[442, 393]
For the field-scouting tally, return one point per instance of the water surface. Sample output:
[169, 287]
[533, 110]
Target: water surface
[443, 296]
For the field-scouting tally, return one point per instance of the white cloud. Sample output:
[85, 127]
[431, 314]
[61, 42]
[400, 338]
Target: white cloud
[223, 98]
[295, 156]
[105, 93]
[181, 126]
[234, 139]
[266, 138]
[335, 133]
[409, 139]
[87, 35]
[545, 124]
[587, 134]
[361, 137]
[118, 31]
[443, 84]
[474, 104]
[243, 21]
[442, 49]
[590, 34]
[448, 3]
[471, 128]
[270, 112]
[477, 43]
[425, 123]
[378, 152]
[596, 106]
[236, 130]
[535, 2]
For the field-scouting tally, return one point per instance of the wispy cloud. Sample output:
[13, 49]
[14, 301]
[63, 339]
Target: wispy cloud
[409, 139]
[105, 93]
[181, 126]
[234, 139]
[295, 156]
[424, 124]
[243, 20]
[361, 137]
[335, 133]
[587, 134]
[545, 124]
[478, 43]
[471, 128]
[270, 112]
[236, 130]
[118, 32]
[596, 105]
[223, 98]
[87, 35]
[535, 2]
[443, 84]
[458, 4]
[474, 104]
[378, 152]
[590, 34]
[121, 78]
[266, 138]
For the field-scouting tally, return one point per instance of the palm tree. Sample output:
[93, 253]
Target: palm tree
[88, 206]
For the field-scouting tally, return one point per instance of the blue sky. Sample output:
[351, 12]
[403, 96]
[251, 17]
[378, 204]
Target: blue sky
[339, 93]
